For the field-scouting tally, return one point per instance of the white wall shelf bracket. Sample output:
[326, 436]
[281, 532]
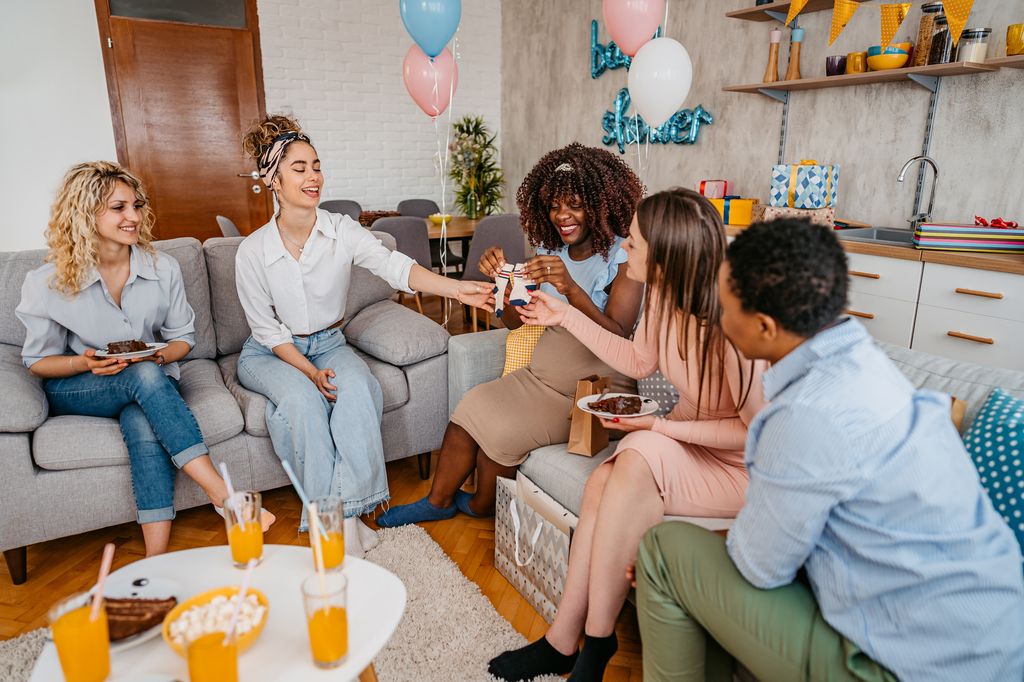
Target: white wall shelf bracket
[777, 95]
[929, 83]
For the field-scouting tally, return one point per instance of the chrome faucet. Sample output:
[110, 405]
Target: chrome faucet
[919, 218]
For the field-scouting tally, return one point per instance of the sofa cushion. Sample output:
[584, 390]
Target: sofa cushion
[14, 265]
[189, 254]
[395, 334]
[393, 383]
[230, 324]
[76, 442]
[562, 475]
[23, 405]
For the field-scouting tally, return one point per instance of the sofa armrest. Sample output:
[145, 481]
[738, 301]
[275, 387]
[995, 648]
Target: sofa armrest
[474, 359]
[395, 334]
[23, 406]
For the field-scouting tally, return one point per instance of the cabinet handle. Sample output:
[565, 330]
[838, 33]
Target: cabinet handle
[975, 292]
[971, 337]
[857, 313]
[869, 275]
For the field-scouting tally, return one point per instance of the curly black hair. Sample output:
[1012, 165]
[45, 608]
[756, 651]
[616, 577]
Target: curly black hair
[607, 187]
[791, 270]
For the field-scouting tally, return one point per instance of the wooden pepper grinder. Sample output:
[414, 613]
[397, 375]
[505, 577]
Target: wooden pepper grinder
[793, 72]
[771, 73]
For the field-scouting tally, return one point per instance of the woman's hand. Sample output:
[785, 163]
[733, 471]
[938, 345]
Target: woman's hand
[491, 262]
[631, 574]
[476, 294]
[551, 270]
[544, 310]
[104, 366]
[157, 357]
[321, 378]
[627, 424]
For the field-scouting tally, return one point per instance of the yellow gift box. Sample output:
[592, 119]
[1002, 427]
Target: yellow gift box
[734, 210]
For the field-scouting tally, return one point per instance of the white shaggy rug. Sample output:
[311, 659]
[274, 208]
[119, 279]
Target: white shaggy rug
[449, 631]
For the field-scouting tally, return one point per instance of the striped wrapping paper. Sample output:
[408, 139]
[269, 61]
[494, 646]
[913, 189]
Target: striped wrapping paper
[938, 237]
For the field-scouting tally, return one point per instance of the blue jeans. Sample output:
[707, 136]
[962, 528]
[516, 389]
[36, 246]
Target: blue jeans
[334, 447]
[160, 431]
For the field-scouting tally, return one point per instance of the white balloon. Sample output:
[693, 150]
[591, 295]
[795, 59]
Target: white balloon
[659, 79]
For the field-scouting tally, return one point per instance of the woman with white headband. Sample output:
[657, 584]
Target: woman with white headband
[293, 277]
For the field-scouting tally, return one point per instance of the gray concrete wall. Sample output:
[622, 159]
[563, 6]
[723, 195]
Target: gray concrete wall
[549, 99]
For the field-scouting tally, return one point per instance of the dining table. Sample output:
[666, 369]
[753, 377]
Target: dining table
[460, 228]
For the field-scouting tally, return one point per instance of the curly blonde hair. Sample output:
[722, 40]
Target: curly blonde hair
[71, 233]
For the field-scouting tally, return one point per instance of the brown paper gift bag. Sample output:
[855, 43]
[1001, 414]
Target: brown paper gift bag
[586, 435]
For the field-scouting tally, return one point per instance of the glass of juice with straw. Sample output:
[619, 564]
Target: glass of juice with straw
[325, 596]
[213, 658]
[245, 529]
[331, 513]
[82, 639]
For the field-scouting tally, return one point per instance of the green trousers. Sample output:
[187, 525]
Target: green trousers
[698, 616]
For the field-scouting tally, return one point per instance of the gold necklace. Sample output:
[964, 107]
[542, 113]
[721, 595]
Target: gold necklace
[290, 240]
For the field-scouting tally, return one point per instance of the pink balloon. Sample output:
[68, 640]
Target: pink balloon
[431, 83]
[631, 23]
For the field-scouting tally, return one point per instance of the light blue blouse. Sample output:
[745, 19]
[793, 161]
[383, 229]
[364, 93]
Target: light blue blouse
[593, 275]
[153, 308]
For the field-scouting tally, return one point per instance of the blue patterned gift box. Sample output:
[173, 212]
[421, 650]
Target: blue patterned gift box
[807, 184]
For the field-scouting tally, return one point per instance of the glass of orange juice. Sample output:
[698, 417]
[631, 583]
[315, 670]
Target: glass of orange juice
[245, 530]
[332, 518]
[326, 603]
[83, 644]
[212, 659]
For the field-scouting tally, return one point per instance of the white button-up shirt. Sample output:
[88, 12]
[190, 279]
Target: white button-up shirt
[283, 296]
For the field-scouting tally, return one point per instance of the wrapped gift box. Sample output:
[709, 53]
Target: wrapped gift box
[734, 210]
[817, 216]
[713, 189]
[939, 237]
[807, 184]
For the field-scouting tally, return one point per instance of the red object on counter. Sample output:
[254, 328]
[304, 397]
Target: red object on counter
[995, 222]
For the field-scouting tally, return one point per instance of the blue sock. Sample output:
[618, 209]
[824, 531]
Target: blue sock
[418, 511]
[462, 499]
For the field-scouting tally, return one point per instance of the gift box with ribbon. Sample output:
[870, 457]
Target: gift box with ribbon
[807, 184]
[816, 216]
[713, 189]
[980, 238]
[734, 210]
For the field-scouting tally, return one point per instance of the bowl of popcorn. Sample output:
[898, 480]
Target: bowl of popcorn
[211, 612]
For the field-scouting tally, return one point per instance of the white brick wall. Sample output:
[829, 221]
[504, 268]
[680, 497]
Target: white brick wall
[337, 66]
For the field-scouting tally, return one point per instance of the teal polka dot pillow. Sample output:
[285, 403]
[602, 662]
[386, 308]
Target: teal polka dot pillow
[995, 442]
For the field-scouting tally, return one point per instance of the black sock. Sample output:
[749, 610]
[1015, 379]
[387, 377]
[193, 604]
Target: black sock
[594, 657]
[533, 660]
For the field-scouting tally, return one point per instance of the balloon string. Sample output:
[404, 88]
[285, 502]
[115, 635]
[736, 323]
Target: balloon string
[636, 129]
[665, 22]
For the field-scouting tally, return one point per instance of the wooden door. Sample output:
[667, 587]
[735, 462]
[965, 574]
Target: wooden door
[182, 95]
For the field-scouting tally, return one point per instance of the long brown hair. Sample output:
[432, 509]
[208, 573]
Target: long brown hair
[686, 246]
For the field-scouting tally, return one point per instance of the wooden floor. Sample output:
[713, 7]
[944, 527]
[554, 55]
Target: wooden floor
[62, 567]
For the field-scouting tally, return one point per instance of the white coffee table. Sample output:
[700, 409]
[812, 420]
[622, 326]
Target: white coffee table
[376, 603]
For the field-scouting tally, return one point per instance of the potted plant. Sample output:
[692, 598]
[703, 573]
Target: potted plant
[474, 168]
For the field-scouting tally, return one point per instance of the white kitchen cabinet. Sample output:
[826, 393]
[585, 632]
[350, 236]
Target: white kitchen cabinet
[881, 276]
[969, 337]
[886, 319]
[981, 292]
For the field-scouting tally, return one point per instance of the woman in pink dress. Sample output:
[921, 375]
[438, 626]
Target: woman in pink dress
[689, 463]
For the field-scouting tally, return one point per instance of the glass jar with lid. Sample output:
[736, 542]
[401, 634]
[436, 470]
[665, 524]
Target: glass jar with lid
[925, 30]
[941, 51]
[973, 45]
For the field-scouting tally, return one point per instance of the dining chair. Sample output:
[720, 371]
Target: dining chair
[350, 208]
[227, 227]
[503, 231]
[424, 208]
[411, 239]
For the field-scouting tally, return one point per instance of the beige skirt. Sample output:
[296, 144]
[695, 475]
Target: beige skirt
[530, 408]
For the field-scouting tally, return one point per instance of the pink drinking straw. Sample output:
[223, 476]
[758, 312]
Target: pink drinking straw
[97, 597]
[246, 579]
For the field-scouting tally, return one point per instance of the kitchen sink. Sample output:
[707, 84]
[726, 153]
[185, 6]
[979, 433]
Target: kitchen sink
[878, 235]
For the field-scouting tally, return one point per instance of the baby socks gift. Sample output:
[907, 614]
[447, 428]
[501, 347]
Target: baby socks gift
[522, 285]
[500, 284]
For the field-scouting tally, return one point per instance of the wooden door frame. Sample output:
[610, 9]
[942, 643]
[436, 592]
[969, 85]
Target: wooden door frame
[252, 25]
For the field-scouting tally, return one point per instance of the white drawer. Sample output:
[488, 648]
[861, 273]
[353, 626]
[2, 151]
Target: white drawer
[934, 325]
[997, 294]
[889, 277]
[887, 319]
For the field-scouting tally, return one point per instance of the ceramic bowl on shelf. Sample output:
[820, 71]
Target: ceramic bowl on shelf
[244, 640]
[437, 218]
[884, 62]
[894, 48]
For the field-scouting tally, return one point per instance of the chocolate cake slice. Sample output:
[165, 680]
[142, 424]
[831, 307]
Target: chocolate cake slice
[618, 405]
[128, 617]
[126, 346]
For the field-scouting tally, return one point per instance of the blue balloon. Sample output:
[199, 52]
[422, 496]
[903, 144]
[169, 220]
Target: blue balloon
[623, 130]
[431, 23]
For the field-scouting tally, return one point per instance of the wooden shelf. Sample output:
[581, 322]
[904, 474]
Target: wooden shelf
[771, 11]
[922, 75]
[1016, 62]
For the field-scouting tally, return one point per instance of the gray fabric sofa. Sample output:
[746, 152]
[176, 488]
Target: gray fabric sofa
[476, 358]
[65, 475]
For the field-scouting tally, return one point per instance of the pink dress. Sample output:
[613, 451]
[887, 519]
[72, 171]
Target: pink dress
[697, 460]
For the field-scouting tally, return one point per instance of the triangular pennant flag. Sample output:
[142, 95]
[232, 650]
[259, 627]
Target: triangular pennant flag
[841, 15]
[795, 8]
[892, 19]
[957, 12]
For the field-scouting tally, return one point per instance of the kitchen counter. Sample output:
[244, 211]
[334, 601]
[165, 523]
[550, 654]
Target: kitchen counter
[996, 262]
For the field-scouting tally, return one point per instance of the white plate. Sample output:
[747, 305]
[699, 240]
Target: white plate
[647, 405]
[136, 586]
[150, 350]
